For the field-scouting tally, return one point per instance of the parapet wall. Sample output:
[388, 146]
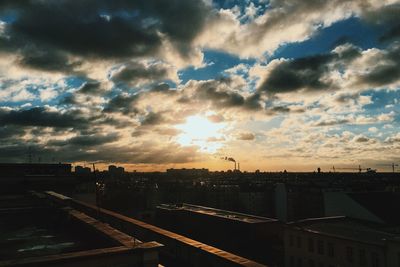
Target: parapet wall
[179, 250]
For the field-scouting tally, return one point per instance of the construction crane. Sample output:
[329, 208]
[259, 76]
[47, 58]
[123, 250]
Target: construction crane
[390, 165]
[369, 170]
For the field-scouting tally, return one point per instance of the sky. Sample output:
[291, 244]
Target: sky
[157, 84]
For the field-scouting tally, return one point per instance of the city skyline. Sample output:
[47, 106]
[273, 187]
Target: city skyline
[152, 85]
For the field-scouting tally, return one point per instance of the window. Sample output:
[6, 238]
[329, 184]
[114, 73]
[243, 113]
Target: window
[349, 254]
[299, 262]
[321, 247]
[331, 250]
[311, 263]
[291, 242]
[375, 259]
[298, 241]
[310, 245]
[363, 257]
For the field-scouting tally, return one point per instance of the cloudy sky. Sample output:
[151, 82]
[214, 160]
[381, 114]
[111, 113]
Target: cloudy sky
[279, 84]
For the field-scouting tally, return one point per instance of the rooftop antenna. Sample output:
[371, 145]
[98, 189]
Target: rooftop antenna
[390, 165]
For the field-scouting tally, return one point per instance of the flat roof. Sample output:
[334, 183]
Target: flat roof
[346, 228]
[219, 213]
[43, 231]
[35, 232]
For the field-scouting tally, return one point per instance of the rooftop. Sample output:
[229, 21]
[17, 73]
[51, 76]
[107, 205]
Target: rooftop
[345, 228]
[219, 213]
[46, 235]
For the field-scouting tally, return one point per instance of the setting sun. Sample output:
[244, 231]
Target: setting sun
[199, 131]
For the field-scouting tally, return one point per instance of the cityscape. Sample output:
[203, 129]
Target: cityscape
[221, 133]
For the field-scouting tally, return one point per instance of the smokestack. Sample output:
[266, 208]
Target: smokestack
[230, 159]
[238, 166]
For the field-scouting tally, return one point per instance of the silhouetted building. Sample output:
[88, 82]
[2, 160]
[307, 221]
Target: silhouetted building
[20, 170]
[298, 201]
[188, 172]
[370, 206]
[79, 170]
[35, 231]
[115, 171]
[36, 176]
[339, 241]
[254, 237]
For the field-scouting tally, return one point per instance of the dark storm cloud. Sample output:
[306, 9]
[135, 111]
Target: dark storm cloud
[152, 119]
[163, 88]
[277, 110]
[39, 116]
[392, 34]
[331, 122]
[68, 100]
[91, 87]
[298, 74]
[221, 95]
[386, 72]
[361, 139]
[219, 98]
[218, 94]
[143, 153]
[100, 28]
[134, 72]
[345, 98]
[46, 59]
[86, 140]
[10, 132]
[122, 103]
[307, 73]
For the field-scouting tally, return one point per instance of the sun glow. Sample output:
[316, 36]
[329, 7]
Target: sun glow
[199, 131]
